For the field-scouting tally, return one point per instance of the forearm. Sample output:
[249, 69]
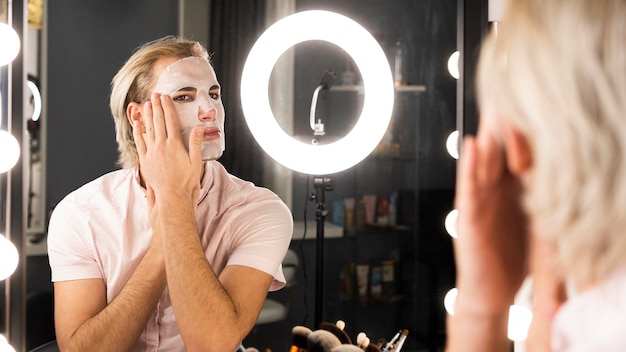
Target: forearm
[469, 332]
[120, 324]
[205, 313]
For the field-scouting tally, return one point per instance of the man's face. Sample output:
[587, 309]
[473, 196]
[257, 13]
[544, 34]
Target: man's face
[193, 87]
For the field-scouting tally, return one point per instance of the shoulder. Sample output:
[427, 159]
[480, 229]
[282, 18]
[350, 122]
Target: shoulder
[594, 319]
[108, 191]
[250, 206]
[101, 188]
[240, 188]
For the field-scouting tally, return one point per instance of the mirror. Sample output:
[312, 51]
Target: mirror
[35, 122]
[75, 143]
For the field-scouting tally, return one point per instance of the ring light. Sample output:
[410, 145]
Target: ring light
[369, 58]
[36, 99]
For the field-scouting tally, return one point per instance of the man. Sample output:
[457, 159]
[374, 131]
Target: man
[170, 253]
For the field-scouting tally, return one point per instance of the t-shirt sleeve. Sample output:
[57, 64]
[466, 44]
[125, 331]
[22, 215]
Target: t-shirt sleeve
[70, 248]
[261, 236]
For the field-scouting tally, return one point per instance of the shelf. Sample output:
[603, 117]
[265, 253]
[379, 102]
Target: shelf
[39, 247]
[330, 230]
[399, 89]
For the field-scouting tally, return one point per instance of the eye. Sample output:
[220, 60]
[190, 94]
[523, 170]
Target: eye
[183, 98]
[215, 96]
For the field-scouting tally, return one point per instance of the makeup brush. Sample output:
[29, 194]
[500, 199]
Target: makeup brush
[401, 340]
[299, 338]
[322, 341]
[347, 348]
[341, 335]
[362, 340]
[371, 348]
[389, 345]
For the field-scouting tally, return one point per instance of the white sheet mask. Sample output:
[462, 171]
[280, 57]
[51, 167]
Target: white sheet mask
[197, 73]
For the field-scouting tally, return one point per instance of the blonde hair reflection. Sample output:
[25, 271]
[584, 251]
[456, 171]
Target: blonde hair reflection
[557, 72]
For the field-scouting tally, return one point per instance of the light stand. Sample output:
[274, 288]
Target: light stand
[321, 184]
[315, 159]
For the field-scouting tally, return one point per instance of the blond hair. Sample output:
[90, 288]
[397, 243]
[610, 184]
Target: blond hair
[134, 83]
[556, 71]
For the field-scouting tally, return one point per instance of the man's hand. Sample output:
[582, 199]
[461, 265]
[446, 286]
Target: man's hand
[165, 164]
[492, 247]
[548, 295]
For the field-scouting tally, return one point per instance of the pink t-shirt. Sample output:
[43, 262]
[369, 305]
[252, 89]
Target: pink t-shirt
[594, 320]
[102, 231]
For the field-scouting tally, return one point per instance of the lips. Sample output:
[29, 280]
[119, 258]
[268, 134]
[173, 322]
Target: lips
[211, 133]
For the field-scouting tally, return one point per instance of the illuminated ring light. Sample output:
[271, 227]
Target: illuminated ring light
[369, 58]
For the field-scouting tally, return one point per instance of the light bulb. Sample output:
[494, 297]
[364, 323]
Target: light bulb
[451, 223]
[452, 144]
[453, 65]
[449, 301]
[10, 43]
[10, 151]
[4, 345]
[519, 322]
[9, 257]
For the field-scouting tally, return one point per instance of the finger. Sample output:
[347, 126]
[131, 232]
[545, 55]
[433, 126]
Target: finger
[171, 123]
[466, 174]
[158, 118]
[195, 146]
[147, 120]
[140, 143]
[492, 166]
[150, 197]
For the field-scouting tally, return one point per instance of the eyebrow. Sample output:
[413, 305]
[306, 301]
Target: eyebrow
[192, 89]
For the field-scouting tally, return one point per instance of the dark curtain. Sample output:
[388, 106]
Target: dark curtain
[234, 27]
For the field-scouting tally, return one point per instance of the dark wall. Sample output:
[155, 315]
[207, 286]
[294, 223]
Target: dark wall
[88, 41]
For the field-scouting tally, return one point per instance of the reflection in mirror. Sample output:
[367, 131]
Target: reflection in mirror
[421, 173]
[36, 205]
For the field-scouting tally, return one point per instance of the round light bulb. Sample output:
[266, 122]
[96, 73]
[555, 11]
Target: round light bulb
[10, 43]
[519, 322]
[378, 88]
[452, 144]
[10, 151]
[449, 301]
[450, 223]
[9, 258]
[4, 345]
[453, 65]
